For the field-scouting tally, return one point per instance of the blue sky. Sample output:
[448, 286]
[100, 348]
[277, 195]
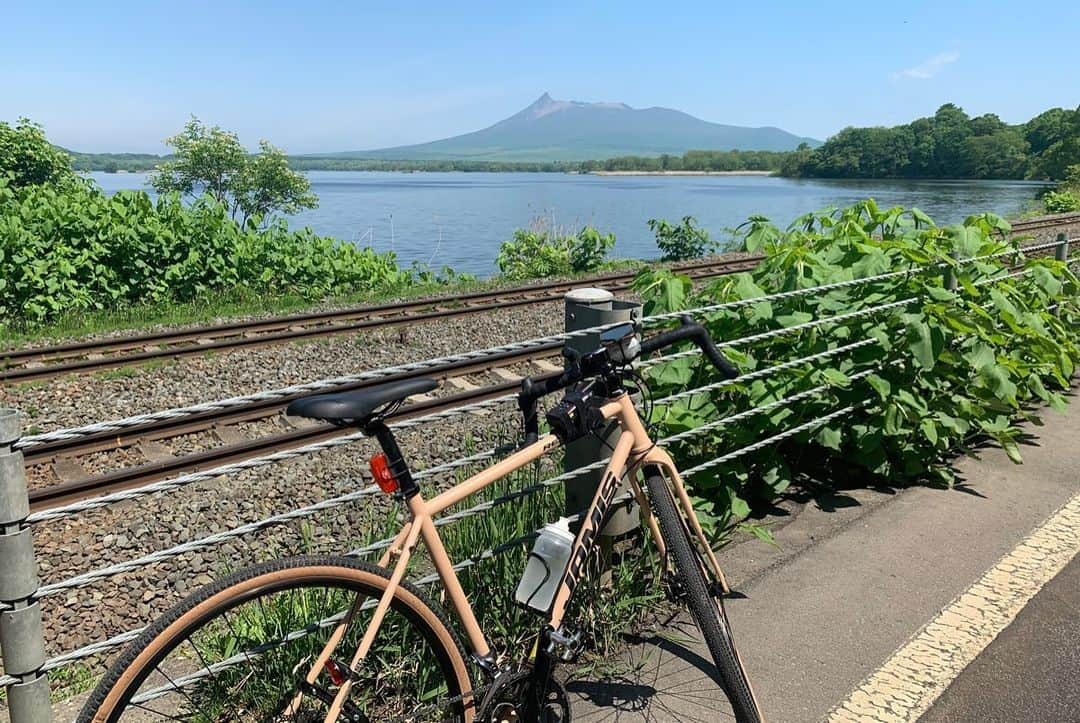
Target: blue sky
[318, 76]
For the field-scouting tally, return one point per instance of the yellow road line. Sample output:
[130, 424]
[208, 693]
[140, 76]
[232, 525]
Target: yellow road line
[915, 675]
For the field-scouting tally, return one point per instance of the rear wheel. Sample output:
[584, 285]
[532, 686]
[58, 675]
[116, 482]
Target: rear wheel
[240, 649]
[707, 611]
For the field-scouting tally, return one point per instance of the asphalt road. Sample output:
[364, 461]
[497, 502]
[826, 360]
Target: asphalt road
[1031, 672]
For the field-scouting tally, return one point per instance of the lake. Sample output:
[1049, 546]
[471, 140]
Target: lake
[459, 219]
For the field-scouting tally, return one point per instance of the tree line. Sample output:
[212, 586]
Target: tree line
[949, 144]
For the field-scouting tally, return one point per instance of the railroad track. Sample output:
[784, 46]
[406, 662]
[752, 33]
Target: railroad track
[66, 460]
[25, 365]
[1045, 222]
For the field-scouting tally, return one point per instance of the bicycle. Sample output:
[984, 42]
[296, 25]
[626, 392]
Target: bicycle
[295, 639]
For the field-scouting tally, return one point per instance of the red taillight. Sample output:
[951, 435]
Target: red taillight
[380, 470]
[337, 675]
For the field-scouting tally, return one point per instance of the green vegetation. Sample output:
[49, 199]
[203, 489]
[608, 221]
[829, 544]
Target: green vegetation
[948, 145]
[693, 161]
[1066, 197]
[689, 161]
[66, 248]
[27, 158]
[211, 161]
[949, 370]
[75, 249]
[546, 251]
[115, 162]
[682, 241]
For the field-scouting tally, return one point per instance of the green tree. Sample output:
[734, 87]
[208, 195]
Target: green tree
[1063, 150]
[683, 241]
[1002, 154]
[212, 161]
[28, 159]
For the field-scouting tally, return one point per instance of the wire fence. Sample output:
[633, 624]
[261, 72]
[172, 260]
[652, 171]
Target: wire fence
[809, 361]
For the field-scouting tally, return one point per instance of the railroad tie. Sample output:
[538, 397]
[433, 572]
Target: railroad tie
[68, 469]
[506, 375]
[545, 366]
[229, 435]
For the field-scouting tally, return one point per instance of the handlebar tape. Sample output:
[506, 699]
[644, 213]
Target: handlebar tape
[690, 331]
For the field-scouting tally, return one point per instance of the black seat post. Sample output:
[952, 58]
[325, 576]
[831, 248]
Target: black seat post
[407, 486]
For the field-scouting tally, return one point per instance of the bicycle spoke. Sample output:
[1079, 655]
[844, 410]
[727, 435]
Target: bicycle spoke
[180, 689]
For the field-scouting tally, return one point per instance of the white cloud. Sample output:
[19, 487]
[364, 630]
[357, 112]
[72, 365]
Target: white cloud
[930, 67]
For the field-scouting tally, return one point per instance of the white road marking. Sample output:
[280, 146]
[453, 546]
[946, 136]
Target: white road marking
[914, 676]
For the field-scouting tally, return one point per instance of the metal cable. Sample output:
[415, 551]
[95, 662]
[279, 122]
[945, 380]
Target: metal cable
[158, 556]
[325, 384]
[328, 384]
[775, 438]
[164, 485]
[183, 480]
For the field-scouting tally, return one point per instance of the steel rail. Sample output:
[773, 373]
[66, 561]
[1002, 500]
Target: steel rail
[167, 428]
[81, 357]
[45, 498]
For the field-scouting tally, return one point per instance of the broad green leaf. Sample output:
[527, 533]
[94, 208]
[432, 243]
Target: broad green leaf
[880, 385]
[830, 437]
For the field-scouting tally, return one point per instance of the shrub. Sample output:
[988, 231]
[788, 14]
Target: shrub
[541, 251]
[943, 371]
[682, 241]
[72, 249]
[1061, 201]
[27, 158]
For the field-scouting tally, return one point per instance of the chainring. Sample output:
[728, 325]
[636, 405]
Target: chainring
[505, 700]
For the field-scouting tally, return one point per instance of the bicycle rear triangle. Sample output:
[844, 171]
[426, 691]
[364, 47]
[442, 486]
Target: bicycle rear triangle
[336, 638]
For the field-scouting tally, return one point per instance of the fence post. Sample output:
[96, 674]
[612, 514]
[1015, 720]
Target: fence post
[587, 308]
[951, 274]
[22, 644]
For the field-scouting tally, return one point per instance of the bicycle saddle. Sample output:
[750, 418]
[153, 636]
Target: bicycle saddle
[358, 407]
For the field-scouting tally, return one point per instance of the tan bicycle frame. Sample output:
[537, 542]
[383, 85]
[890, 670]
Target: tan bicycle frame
[633, 451]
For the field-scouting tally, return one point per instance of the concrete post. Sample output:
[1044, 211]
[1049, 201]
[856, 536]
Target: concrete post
[587, 308]
[22, 644]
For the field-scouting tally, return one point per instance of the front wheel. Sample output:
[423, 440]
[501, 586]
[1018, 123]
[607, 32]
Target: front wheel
[240, 650]
[707, 611]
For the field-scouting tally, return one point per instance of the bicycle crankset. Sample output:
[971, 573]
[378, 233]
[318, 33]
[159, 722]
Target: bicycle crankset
[505, 700]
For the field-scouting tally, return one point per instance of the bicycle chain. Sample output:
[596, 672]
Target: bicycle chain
[475, 693]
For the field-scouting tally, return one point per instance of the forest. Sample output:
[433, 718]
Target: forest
[949, 144]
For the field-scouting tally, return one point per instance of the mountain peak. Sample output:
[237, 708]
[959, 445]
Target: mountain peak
[545, 105]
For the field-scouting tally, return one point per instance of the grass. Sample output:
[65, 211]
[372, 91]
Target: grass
[70, 680]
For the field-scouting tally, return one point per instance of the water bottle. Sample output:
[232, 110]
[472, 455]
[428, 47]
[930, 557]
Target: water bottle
[547, 563]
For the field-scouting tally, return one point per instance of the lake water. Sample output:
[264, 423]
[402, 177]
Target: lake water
[459, 219]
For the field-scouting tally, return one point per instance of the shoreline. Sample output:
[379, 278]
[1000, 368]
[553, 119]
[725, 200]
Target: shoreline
[680, 173]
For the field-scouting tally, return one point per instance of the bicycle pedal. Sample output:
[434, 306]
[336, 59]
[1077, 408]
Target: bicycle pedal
[566, 644]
